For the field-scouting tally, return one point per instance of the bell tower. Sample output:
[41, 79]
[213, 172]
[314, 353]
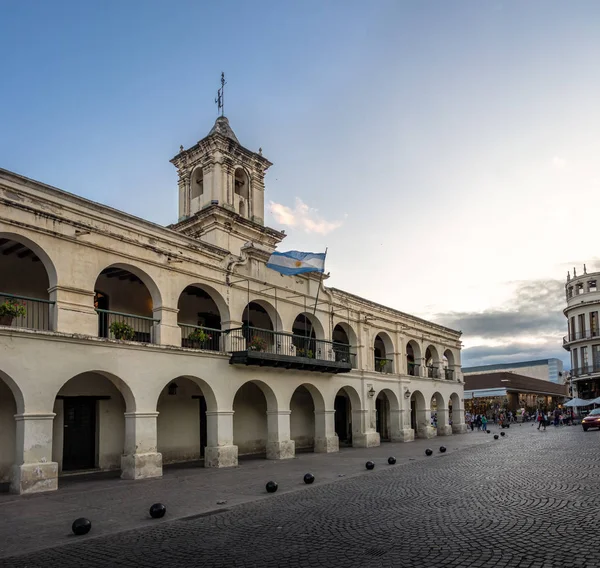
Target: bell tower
[221, 191]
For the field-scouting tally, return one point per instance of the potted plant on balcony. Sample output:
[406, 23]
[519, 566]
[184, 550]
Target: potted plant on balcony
[121, 330]
[381, 363]
[257, 344]
[200, 338]
[10, 310]
[305, 353]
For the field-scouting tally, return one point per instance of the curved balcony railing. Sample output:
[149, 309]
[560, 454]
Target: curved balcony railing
[579, 335]
[585, 370]
[37, 312]
[383, 365]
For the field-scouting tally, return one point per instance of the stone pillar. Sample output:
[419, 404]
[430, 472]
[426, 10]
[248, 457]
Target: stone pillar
[424, 427]
[363, 436]
[166, 331]
[73, 311]
[140, 459]
[235, 341]
[220, 451]
[400, 426]
[34, 471]
[458, 420]
[443, 428]
[279, 444]
[326, 440]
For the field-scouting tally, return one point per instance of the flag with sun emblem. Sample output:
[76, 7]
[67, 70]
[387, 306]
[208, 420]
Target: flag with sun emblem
[296, 262]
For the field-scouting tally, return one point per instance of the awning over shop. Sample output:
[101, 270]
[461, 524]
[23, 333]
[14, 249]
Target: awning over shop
[582, 402]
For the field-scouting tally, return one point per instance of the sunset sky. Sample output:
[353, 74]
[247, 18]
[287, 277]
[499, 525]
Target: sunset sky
[444, 151]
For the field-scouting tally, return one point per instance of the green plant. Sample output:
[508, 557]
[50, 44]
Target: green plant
[199, 335]
[121, 330]
[305, 353]
[13, 308]
[381, 363]
[257, 344]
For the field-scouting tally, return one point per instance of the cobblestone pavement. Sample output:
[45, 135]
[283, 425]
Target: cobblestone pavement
[530, 499]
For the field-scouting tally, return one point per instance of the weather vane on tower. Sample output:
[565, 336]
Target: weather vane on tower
[220, 100]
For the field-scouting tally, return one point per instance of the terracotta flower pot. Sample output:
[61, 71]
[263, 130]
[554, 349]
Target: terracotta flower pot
[6, 320]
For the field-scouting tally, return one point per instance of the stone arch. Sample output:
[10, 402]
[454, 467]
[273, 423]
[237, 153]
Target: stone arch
[182, 426]
[308, 324]
[383, 349]
[419, 419]
[251, 404]
[349, 332]
[413, 358]
[89, 423]
[457, 413]
[440, 416]
[269, 309]
[386, 402]
[347, 407]
[11, 403]
[432, 361]
[197, 182]
[305, 401]
[449, 363]
[39, 252]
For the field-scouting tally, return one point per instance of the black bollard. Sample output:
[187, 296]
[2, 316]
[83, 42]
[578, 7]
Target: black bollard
[428, 452]
[391, 460]
[157, 511]
[309, 478]
[369, 465]
[81, 526]
[502, 434]
[496, 437]
[442, 449]
[489, 431]
[271, 487]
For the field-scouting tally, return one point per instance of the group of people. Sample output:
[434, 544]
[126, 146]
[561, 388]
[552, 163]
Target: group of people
[543, 418]
[557, 417]
[478, 421]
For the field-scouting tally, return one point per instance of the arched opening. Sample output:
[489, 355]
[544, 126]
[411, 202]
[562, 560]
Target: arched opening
[182, 424]
[242, 192]
[413, 357]
[305, 330]
[419, 421]
[89, 426]
[124, 304]
[448, 362]
[24, 283]
[432, 362]
[250, 426]
[302, 419]
[197, 183]
[258, 326]
[199, 318]
[342, 344]
[346, 403]
[457, 417]
[383, 420]
[383, 349]
[8, 433]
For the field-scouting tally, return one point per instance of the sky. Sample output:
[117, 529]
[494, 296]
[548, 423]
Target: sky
[445, 152]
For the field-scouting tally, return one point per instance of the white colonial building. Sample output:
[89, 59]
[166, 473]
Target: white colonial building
[126, 345]
[583, 337]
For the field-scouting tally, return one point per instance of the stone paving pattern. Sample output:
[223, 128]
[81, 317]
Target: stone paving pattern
[530, 499]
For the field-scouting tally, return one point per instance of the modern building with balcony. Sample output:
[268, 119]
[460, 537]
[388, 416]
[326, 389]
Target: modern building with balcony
[583, 332]
[125, 345]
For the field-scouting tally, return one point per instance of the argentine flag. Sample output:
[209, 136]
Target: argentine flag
[296, 262]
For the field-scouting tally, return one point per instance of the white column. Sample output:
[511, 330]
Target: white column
[400, 429]
[443, 428]
[326, 440]
[363, 436]
[73, 311]
[34, 471]
[220, 451]
[458, 419]
[279, 444]
[166, 331]
[424, 427]
[140, 459]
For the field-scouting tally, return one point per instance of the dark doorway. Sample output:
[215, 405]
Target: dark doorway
[79, 439]
[203, 436]
[413, 415]
[341, 419]
[382, 408]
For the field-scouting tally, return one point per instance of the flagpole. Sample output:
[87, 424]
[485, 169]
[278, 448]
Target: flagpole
[320, 282]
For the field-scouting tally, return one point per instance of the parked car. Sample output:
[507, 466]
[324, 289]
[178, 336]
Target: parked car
[592, 420]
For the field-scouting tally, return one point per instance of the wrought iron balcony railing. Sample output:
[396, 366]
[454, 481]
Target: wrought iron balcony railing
[413, 369]
[197, 337]
[433, 372]
[585, 370]
[37, 312]
[118, 325]
[449, 374]
[251, 345]
[383, 365]
[579, 335]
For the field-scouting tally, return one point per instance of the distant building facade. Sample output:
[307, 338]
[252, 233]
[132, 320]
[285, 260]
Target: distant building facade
[125, 345]
[542, 369]
[583, 332]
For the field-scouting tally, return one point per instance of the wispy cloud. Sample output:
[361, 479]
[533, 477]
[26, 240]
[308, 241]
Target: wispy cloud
[303, 217]
[530, 326]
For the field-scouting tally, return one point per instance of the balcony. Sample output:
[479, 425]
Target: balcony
[414, 369]
[128, 327]
[265, 348]
[579, 336]
[383, 365]
[433, 372]
[449, 374]
[585, 370]
[24, 312]
[207, 338]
